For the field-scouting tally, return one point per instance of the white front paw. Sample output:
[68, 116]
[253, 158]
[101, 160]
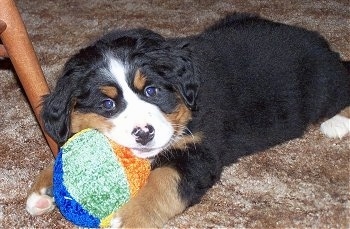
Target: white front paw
[39, 203]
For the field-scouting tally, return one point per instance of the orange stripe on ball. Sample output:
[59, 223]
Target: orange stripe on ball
[137, 169]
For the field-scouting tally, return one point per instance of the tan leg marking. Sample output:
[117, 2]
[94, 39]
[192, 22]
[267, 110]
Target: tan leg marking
[43, 180]
[155, 204]
[38, 202]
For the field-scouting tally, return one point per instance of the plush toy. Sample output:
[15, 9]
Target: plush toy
[94, 176]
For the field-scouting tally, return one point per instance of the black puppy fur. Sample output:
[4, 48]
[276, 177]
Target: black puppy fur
[249, 82]
[261, 83]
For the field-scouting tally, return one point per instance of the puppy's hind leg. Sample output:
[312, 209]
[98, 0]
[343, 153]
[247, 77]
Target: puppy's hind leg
[337, 126]
[40, 198]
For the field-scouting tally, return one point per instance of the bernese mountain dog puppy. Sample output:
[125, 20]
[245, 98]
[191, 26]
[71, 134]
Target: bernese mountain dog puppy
[194, 105]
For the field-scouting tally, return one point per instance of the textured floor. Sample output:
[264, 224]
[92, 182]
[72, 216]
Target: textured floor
[302, 183]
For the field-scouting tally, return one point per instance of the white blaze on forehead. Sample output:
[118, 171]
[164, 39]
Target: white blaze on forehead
[119, 72]
[137, 113]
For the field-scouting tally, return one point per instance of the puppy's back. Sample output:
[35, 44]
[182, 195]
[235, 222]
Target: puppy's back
[263, 82]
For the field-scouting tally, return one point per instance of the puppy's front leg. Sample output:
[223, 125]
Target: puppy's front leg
[40, 198]
[156, 202]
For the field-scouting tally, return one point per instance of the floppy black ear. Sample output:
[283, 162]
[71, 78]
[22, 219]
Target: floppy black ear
[56, 111]
[58, 105]
[172, 61]
[187, 85]
[186, 80]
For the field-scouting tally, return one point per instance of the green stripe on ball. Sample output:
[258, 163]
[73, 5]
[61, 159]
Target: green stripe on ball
[94, 152]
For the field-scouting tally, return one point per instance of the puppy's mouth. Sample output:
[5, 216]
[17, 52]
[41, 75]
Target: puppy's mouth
[146, 152]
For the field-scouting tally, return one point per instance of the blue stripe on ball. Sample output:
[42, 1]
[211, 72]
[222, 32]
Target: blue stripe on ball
[68, 207]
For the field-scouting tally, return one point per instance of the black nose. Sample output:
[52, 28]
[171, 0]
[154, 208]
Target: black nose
[143, 135]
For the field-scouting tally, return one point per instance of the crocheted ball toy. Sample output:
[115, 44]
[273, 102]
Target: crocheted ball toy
[94, 176]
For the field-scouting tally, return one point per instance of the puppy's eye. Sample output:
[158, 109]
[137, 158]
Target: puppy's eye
[151, 91]
[108, 104]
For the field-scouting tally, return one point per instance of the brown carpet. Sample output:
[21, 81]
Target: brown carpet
[302, 183]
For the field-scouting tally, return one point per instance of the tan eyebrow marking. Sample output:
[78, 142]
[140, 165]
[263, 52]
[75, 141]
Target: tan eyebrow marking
[110, 91]
[139, 81]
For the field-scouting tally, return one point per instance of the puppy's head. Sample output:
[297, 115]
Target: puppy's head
[132, 85]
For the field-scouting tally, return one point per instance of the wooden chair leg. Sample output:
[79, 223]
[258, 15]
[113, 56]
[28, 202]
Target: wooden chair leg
[3, 52]
[21, 52]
